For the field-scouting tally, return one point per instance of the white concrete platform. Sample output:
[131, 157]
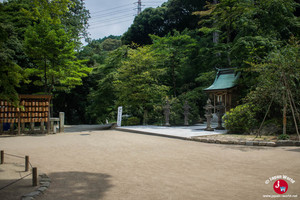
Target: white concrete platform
[183, 132]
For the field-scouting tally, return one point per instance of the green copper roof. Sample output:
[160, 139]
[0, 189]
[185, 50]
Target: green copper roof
[225, 79]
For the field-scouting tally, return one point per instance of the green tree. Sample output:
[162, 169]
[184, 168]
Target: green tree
[174, 52]
[10, 72]
[100, 108]
[52, 48]
[138, 82]
[76, 20]
[172, 15]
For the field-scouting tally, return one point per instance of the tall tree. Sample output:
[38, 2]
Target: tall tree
[52, 48]
[138, 82]
[10, 72]
[173, 15]
[173, 52]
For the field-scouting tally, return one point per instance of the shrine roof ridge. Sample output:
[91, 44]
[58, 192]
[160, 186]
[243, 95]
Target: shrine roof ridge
[225, 79]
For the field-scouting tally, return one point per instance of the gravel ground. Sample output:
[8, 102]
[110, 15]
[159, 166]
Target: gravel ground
[118, 165]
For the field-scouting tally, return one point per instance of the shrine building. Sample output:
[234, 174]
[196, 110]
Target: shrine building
[224, 88]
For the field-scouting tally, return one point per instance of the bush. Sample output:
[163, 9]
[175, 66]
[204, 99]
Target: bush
[131, 121]
[283, 137]
[240, 119]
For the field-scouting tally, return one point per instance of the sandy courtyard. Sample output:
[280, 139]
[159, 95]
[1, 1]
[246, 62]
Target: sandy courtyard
[118, 165]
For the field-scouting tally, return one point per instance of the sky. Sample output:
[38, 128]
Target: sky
[114, 17]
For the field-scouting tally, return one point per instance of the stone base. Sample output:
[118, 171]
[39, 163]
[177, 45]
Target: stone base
[209, 129]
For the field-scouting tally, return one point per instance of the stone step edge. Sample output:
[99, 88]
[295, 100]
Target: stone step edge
[44, 184]
[248, 143]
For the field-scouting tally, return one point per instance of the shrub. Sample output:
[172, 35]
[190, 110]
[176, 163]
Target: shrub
[131, 121]
[283, 137]
[240, 119]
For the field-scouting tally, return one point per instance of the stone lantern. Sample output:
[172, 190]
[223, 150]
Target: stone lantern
[208, 114]
[186, 113]
[220, 112]
[167, 113]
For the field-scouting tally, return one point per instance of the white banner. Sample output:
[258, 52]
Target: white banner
[119, 120]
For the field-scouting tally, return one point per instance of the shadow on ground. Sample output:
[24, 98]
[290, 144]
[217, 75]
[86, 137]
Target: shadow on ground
[78, 185]
[295, 150]
[246, 148]
[16, 190]
[86, 128]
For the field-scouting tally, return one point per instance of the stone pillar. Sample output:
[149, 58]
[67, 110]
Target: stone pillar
[208, 114]
[186, 113]
[167, 113]
[220, 112]
[51, 126]
[61, 122]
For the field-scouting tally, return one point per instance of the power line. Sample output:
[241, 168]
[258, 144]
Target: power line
[111, 8]
[111, 13]
[108, 24]
[112, 19]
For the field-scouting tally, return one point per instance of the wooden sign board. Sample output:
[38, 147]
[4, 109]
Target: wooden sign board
[32, 108]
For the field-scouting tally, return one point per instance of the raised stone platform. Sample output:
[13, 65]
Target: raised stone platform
[182, 132]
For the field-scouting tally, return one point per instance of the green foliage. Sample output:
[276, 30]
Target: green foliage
[76, 20]
[283, 137]
[52, 49]
[131, 121]
[10, 72]
[138, 82]
[173, 15]
[174, 52]
[241, 119]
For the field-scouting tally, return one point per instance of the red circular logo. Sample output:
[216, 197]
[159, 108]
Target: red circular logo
[280, 186]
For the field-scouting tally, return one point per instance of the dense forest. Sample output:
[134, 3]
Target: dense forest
[169, 52]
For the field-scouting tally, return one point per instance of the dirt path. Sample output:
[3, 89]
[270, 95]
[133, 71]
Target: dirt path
[118, 165]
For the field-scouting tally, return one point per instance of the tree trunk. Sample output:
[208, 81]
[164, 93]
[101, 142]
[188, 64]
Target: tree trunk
[45, 75]
[174, 80]
[145, 118]
[284, 114]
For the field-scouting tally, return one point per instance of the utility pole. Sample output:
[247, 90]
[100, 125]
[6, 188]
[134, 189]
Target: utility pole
[139, 7]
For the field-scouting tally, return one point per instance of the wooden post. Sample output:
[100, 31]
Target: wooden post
[42, 126]
[26, 163]
[61, 122]
[23, 127]
[34, 176]
[32, 126]
[11, 128]
[2, 157]
[284, 114]
[214, 103]
[225, 102]
[19, 124]
[1, 127]
[48, 122]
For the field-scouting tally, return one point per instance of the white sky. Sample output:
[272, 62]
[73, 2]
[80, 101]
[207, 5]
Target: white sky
[114, 17]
